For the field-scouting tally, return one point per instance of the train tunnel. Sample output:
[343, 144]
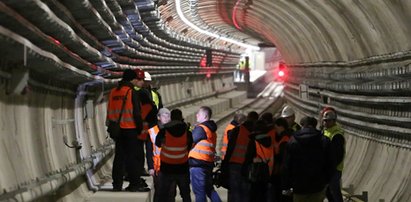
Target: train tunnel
[60, 59]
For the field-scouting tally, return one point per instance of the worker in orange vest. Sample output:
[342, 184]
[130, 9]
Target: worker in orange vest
[201, 157]
[175, 141]
[148, 114]
[269, 121]
[233, 162]
[259, 151]
[268, 118]
[238, 119]
[129, 149]
[153, 152]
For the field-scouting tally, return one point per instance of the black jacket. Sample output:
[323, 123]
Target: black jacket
[145, 98]
[307, 163]
[176, 129]
[279, 159]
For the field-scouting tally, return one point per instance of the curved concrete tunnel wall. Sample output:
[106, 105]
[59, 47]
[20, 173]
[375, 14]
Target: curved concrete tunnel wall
[311, 31]
[355, 53]
[37, 124]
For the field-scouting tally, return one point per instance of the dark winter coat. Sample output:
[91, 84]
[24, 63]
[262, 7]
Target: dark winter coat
[176, 129]
[307, 164]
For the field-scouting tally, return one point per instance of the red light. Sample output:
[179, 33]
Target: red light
[281, 73]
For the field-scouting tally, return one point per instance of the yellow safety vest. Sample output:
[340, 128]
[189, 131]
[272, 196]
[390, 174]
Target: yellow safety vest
[330, 133]
[156, 100]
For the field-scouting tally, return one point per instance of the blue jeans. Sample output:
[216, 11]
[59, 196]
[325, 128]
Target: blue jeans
[239, 186]
[202, 184]
[334, 188]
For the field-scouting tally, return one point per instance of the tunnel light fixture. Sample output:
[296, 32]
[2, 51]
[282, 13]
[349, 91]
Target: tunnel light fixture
[187, 22]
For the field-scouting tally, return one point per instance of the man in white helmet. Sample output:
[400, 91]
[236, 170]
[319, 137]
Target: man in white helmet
[289, 114]
[154, 94]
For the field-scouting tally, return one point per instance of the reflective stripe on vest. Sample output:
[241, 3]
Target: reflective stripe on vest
[174, 149]
[330, 133]
[205, 149]
[240, 147]
[264, 154]
[114, 107]
[156, 150]
[225, 139]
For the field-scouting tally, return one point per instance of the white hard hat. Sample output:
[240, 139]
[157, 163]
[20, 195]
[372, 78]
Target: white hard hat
[147, 76]
[287, 112]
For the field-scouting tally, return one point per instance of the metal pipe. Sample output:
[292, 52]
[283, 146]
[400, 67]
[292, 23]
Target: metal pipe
[46, 185]
[51, 183]
[78, 113]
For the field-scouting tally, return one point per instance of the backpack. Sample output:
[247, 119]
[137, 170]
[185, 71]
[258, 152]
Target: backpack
[259, 171]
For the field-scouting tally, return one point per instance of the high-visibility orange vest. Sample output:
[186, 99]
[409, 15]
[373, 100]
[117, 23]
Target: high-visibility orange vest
[276, 149]
[174, 149]
[205, 149]
[225, 139]
[115, 103]
[241, 144]
[272, 135]
[264, 154]
[145, 110]
[156, 150]
[284, 139]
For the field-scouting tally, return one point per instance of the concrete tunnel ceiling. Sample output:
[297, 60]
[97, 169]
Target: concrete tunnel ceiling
[309, 31]
[352, 55]
[305, 32]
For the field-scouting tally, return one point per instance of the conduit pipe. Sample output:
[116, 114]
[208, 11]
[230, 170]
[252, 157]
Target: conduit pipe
[46, 185]
[40, 187]
[78, 114]
[97, 158]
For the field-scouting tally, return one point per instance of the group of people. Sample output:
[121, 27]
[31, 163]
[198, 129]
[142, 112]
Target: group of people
[177, 155]
[134, 105]
[276, 159]
[299, 162]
